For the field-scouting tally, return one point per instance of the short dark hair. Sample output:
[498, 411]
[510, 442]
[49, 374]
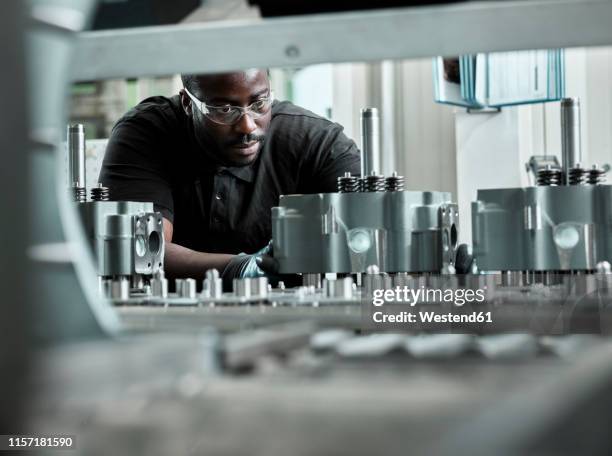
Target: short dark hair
[190, 81]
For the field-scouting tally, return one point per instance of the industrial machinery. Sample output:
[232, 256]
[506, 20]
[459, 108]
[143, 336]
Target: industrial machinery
[126, 237]
[400, 231]
[255, 370]
[562, 224]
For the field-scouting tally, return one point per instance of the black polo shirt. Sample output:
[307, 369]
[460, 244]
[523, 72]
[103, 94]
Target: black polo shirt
[152, 156]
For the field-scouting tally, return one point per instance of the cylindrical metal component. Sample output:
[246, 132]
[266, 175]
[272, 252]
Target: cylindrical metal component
[570, 135]
[188, 288]
[394, 183]
[137, 282]
[213, 285]
[373, 183]
[78, 194]
[242, 288]
[311, 280]
[100, 193]
[178, 286]
[76, 155]
[340, 288]
[577, 175]
[120, 288]
[595, 175]
[349, 183]
[259, 286]
[372, 279]
[370, 142]
[117, 257]
[104, 287]
[401, 279]
[159, 285]
[550, 176]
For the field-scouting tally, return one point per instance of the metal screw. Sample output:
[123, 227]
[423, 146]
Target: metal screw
[292, 51]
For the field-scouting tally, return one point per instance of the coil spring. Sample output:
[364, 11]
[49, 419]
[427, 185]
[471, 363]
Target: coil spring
[577, 175]
[373, 183]
[78, 194]
[596, 175]
[349, 183]
[394, 183]
[549, 176]
[100, 193]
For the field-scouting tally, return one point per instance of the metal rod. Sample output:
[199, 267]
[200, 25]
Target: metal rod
[570, 135]
[76, 156]
[370, 142]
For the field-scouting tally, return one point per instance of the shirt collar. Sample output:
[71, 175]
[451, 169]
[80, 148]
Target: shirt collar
[245, 173]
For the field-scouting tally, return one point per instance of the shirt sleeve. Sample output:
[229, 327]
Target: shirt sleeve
[331, 154]
[133, 168]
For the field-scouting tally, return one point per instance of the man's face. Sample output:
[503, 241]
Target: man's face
[237, 144]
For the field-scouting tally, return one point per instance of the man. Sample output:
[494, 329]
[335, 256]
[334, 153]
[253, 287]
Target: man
[214, 161]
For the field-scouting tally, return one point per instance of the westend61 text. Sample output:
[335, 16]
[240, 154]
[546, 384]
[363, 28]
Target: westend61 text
[413, 296]
[432, 317]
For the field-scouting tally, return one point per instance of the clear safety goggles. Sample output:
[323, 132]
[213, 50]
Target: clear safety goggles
[229, 115]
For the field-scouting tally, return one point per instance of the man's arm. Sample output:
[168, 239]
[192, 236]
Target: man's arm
[183, 262]
[134, 171]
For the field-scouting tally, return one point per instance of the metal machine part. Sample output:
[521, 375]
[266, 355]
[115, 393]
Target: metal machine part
[571, 152]
[213, 284]
[242, 288]
[542, 228]
[394, 183]
[550, 175]
[349, 183]
[188, 288]
[339, 288]
[159, 285]
[370, 142]
[540, 162]
[255, 288]
[400, 232]
[373, 182]
[547, 170]
[126, 237]
[120, 288]
[560, 225]
[100, 193]
[311, 280]
[370, 183]
[76, 162]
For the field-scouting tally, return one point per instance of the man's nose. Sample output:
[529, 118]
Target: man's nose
[246, 124]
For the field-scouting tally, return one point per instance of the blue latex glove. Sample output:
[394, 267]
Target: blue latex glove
[463, 260]
[258, 264]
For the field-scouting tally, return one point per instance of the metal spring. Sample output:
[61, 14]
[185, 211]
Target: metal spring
[78, 194]
[394, 183]
[595, 175]
[100, 193]
[373, 183]
[349, 184]
[577, 175]
[549, 176]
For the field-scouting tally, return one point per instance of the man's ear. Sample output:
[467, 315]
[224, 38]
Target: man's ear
[185, 102]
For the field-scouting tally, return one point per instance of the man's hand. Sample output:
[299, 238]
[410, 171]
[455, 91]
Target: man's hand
[463, 260]
[258, 264]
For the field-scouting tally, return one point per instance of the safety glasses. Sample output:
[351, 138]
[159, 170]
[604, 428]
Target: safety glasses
[229, 115]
